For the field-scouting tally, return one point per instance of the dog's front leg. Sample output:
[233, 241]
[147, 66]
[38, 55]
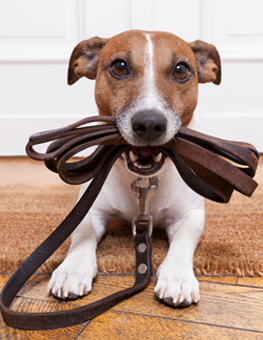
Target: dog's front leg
[73, 278]
[177, 285]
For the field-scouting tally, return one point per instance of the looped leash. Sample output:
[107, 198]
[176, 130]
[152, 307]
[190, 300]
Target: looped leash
[201, 160]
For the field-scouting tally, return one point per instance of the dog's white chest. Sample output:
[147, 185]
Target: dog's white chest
[172, 201]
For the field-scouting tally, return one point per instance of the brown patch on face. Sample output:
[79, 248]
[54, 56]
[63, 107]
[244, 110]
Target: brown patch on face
[180, 95]
[113, 94]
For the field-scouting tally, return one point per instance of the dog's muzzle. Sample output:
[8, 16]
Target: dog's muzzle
[148, 126]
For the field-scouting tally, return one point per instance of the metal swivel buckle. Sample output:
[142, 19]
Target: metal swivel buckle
[144, 220]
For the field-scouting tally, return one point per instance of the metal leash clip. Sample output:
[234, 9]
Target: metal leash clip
[144, 220]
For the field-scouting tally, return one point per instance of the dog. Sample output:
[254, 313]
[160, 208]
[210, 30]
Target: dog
[148, 81]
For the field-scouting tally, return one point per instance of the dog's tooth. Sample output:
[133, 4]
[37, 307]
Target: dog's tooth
[133, 157]
[148, 166]
[158, 157]
[140, 166]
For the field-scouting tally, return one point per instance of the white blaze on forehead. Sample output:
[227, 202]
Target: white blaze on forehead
[149, 71]
[149, 98]
[150, 95]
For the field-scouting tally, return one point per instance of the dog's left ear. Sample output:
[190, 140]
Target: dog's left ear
[208, 62]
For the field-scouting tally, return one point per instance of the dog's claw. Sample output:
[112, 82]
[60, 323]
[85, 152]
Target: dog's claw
[159, 295]
[81, 290]
[195, 297]
[182, 297]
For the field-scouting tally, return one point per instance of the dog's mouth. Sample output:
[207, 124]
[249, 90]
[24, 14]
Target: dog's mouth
[144, 161]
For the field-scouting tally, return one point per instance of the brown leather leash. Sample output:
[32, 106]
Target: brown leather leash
[210, 166]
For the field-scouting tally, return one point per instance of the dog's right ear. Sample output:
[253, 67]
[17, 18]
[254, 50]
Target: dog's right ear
[85, 58]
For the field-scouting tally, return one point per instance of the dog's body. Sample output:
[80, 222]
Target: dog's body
[148, 81]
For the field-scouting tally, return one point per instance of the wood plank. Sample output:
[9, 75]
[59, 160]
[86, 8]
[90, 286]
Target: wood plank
[251, 281]
[228, 306]
[37, 305]
[243, 304]
[3, 280]
[30, 305]
[36, 288]
[114, 325]
[103, 285]
[222, 279]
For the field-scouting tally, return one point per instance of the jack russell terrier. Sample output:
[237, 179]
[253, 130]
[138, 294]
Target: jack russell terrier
[149, 82]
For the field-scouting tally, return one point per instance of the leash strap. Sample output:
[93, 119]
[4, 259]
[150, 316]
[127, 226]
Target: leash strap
[200, 159]
[210, 166]
[37, 321]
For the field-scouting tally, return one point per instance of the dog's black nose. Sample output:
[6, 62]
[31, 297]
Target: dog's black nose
[149, 124]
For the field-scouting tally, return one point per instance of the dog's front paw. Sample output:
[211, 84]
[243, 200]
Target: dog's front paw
[177, 289]
[72, 280]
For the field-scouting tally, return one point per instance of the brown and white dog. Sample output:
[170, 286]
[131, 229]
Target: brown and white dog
[149, 82]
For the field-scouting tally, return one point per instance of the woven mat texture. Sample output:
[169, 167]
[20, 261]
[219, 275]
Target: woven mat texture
[232, 242]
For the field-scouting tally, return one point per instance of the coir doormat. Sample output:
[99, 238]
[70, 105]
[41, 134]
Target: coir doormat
[231, 243]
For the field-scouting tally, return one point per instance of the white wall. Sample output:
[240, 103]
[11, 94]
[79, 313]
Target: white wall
[37, 37]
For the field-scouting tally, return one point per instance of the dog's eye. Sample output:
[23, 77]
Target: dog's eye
[119, 68]
[181, 71]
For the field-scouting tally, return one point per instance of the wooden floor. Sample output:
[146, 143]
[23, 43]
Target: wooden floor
[230, 307]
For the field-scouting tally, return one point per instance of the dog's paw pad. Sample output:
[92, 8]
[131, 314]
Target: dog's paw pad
[72, 296]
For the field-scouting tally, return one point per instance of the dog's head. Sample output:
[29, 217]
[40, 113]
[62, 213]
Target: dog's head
[149, 82]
